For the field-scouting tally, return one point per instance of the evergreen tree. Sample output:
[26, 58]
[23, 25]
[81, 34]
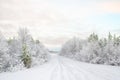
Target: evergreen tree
[110, 37]
[26, 57]
[93, 37]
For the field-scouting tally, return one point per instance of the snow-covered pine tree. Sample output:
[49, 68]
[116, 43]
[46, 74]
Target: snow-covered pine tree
[25, 41]
[26, 58]
[36, 52]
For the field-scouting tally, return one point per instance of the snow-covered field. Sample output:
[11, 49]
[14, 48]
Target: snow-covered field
[61, 68]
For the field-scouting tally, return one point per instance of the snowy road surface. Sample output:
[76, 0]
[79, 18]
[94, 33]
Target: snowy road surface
[60, 68]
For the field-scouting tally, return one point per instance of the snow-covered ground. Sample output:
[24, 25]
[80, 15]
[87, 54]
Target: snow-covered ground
[60, 68]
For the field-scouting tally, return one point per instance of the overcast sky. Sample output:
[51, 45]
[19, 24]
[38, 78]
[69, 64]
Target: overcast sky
[55, 21]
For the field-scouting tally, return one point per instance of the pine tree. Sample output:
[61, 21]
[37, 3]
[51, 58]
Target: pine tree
[110, 37]
[93, 37]
[26, 57]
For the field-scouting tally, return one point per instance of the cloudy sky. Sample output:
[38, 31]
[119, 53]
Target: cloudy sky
[56, 21]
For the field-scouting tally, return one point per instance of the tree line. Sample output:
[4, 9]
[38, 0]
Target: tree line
[94, 49]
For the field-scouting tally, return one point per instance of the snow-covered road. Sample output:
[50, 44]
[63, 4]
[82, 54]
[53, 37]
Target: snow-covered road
[60, 68]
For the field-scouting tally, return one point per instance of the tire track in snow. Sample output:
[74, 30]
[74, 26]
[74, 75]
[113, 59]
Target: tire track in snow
[70, 74]
[80, 69]
[59, 73]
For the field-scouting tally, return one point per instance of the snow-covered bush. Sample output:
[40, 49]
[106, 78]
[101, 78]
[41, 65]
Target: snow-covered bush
[39, 53]
[4, 56]
[15, 52]
[71, 47]
[94, 50]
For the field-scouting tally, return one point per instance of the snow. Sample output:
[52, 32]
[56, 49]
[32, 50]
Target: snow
[61, 68]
